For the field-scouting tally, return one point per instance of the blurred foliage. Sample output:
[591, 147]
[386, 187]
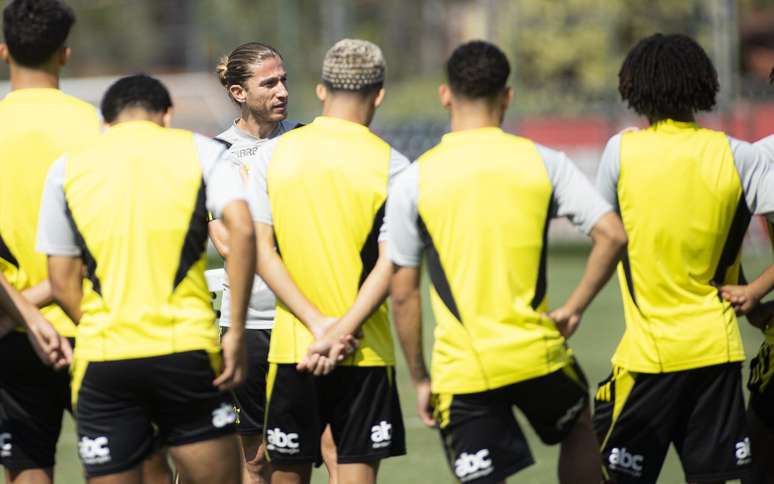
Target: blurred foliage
[566, 54]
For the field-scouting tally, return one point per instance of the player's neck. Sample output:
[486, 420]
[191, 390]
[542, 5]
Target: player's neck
[31, 78]
[255, 127]
[349, 110]
[467, 116]
[681, 117]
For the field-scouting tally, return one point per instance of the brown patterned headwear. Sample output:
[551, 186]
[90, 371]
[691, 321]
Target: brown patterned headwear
[353, 64]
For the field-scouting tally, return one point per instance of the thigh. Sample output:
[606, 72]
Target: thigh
[187, 407]
[712, 439]
[33, 398]
[363, 409]
[480, 436]
[634, 414]
[113, 418]
[250, 397]
[293, 423]
[552, 403]
[761, 386]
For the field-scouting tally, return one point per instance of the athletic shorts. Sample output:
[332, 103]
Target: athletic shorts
[360, 404]
[250, 397]
[481, 437]
[701, 411]
[126, 409]
[33, 398]
[760, 385]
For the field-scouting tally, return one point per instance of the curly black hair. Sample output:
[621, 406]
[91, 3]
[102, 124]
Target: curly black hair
[35, 29]
[136, 91]
[666, 76]
[477, 70]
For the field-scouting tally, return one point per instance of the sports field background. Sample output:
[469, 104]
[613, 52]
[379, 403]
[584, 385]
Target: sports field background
[594, 343]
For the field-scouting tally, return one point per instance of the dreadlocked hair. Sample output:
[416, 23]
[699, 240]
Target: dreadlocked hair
[664, 76]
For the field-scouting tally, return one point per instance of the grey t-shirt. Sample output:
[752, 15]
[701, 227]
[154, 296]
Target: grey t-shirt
[755, 173]
[574, 198]
[244, 148]
[56, 235]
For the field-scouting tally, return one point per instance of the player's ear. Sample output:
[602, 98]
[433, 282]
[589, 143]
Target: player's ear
[237, 93]
[379, 97]
[4, 53]
[64, 55]
[445, 95]
[321, 91]
[166, 119]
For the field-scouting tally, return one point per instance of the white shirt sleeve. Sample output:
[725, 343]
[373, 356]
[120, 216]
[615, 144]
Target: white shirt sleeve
[402, 219]
[574, 195]
[609, 171]
[756, 174]
[221, 175]
[260, 205]
[56, 235]
[398, 163]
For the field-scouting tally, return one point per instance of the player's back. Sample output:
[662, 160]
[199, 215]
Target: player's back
[137, 200]
[36, 127]
[327, 184]
[484, 202]
[683, 206]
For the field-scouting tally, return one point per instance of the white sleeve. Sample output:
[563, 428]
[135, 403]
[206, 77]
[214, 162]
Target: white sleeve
[398, 163]
[221, 175]
[609, 171]
[756, 173]
[260, 206]
[574, 195]
[404, 243]
[56, 235]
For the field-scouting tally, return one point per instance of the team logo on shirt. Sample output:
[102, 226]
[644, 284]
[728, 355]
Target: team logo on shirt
[5, 444]
[624, 461]
[472, 466]
[94, 451]
[743, 452]
[223, 416]
[285, 443]
[381, 435]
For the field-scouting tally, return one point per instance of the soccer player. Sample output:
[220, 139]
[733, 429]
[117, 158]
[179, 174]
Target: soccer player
[126, 263]
[255, 79]
[478, 207]
[760, 409]
[321, 193]
[37, 124]
[685, 195]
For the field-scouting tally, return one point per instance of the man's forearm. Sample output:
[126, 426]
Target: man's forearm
[13, 303]
[370, 296]
[273, 271]
[407, 315]
[609, 241]
[239, 267]
[40, 295]
[763, 284]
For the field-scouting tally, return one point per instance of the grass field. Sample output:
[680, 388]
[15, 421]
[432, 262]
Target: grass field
[593, 343]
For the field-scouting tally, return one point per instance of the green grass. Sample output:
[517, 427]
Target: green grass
[594, 343]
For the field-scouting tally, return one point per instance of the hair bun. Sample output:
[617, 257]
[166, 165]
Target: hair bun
[222, 69]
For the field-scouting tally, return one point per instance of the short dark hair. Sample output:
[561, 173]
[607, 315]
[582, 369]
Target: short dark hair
[137, 91]
[664, 76]
[35, 29]
[477, 70]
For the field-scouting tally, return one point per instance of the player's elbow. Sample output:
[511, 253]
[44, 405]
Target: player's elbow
[610, 231]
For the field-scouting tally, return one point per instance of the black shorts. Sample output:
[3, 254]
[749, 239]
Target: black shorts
[360, 403]
[126, 409]
[33, 398]
[480, 435]
[250, 397]
[760, 385]
[701, 411]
